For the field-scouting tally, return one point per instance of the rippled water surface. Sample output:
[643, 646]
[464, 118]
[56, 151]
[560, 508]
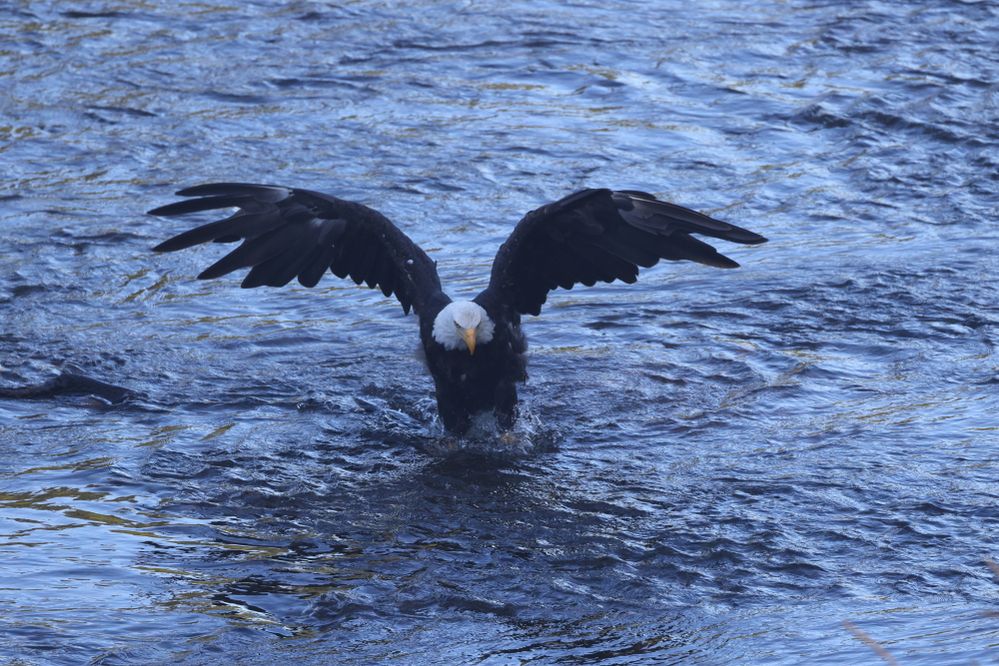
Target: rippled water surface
[725, 465]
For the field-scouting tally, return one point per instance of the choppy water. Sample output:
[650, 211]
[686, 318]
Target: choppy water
[735, 461]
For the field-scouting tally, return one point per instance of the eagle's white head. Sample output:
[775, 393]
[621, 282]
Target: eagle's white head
[462, 325]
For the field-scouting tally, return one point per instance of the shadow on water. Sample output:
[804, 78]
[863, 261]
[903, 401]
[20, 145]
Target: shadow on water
[468, 539]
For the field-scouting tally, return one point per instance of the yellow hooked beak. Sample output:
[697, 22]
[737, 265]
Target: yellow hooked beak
[469, 335]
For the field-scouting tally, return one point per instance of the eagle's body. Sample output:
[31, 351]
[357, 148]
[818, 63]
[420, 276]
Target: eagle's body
[467, 384]
[473, 349]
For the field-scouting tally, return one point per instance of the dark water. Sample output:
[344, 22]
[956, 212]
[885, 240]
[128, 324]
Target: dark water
[728, 464]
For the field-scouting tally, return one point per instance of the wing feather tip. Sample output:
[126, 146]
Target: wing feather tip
[160, 211]
[309, 281]
[745, 236]
[206, 189]
[721, 261]
[211, 273]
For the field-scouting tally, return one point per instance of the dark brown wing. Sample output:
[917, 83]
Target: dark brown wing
[600, 235]
[289, 233]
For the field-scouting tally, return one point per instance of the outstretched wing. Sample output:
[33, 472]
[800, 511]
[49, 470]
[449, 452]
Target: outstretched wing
[600, 235]
[290, 233]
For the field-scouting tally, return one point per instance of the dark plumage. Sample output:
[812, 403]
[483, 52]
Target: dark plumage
[474, 350]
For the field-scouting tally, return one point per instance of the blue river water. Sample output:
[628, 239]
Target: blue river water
[792, 462]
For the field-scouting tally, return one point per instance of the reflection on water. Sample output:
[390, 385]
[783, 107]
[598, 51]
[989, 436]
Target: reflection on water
[719, 466]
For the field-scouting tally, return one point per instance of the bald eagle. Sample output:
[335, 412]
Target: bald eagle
[473, 349]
